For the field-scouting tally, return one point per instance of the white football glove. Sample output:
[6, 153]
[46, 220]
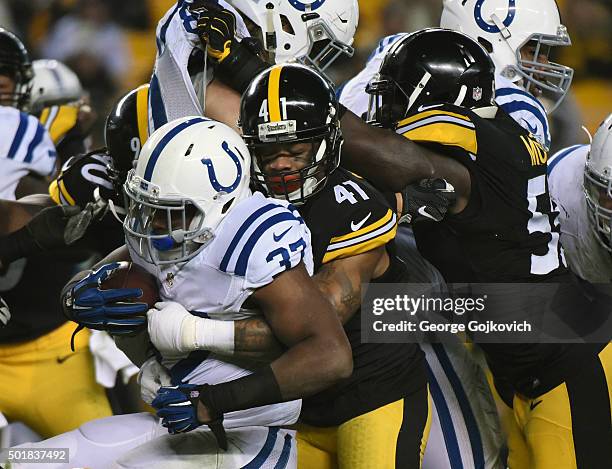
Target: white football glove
[174, 330]
[151, 377]
[5, 313]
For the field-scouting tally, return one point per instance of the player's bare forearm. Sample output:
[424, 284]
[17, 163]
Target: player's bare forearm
[389, 160]
[340, 281]
[301, 318]
[254, 339]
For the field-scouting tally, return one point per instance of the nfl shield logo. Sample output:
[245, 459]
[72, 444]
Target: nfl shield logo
[477, 93]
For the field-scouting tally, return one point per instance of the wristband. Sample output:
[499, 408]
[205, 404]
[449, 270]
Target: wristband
[215, 336]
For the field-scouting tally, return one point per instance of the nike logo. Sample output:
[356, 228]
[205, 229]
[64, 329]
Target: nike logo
[422, 108]
[356, 226]
[277, 238]
[61, 360]
[533, 405]
[423, 212]
[343, 21]
[533, 130]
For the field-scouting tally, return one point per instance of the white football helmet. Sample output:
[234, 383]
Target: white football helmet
[190, 173]
[54, 83]
[598, 183]
[503, 27]
[315, 32]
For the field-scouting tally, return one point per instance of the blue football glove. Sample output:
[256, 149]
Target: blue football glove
[106, 310]
[177, 406]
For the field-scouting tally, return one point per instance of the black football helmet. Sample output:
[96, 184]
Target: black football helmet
[290, 104]
[15, 63]
[125, 133]
[431, 66]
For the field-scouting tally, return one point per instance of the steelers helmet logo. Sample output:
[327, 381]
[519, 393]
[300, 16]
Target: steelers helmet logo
[308, 5]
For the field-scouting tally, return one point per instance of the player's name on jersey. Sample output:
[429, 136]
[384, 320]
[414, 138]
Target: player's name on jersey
[486, 313]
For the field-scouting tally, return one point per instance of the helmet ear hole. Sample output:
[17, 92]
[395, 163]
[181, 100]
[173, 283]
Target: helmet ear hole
[287, 27]
[227, 206]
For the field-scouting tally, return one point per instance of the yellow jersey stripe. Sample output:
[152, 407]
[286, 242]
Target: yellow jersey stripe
[65, 193]
[142, 112]
[274, 93]
[65, 120]
[44, 116]
[445, 133]
[373, 226]
[363, 247]
[54, 192]
[433, 112]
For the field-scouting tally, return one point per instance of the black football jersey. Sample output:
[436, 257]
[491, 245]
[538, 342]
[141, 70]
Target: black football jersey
[509, 230]
[349, 217]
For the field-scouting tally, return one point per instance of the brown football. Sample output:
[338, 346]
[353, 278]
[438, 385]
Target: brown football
[135, 277]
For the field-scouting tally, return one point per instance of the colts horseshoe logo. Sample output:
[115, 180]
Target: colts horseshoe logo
[213, 177]
[491, 28]
[313, 5]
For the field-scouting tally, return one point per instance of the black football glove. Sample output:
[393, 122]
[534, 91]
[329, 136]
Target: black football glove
[79, 177]
[428, 199]
[51, 228]
[216, 27]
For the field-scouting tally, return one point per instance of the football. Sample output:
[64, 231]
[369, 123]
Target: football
[135, 276]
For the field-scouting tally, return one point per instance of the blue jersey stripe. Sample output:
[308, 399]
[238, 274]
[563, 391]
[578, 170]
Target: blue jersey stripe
[464, 403]
[185, 366]
[264, 453]
[515, 106]
[499, 92]
[38, 136]
[243, 259]
[238, 236]
[164, 141]
[559, 156]
[21, 130]
[446, 422]
[284, 457]
[161, 40]
[158, 110]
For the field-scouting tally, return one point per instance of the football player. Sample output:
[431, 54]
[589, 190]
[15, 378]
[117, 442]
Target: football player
[58, 100]
[224, 253]
[519, 41]
[27, 150]
[379, 417]
[194, 34]
[585, 204]
[436, 87]
[34, 355]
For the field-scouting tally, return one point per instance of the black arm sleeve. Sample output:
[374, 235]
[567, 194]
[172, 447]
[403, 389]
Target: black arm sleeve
[240, 66]
[255, 390]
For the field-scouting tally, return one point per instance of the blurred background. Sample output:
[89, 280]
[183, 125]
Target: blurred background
[110, 44]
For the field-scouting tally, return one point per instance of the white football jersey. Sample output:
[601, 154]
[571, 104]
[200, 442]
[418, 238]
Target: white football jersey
[585, 255]
[174, 92]
[523, 107]
[259, 239]
[25, 147]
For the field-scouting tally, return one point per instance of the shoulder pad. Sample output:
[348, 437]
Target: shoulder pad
[445, 124]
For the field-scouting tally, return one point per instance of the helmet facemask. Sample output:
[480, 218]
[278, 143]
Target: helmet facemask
[163, 231]
[296, 186]
[541, 77]
[596, 188]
